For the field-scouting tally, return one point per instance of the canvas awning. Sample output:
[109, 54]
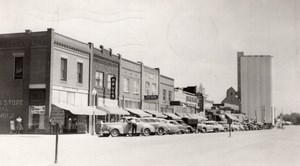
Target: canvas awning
[156, 113]
[173, 116]
[232, 117]
[138, 112]
[80, 110]
[113, 110]
[199, 117]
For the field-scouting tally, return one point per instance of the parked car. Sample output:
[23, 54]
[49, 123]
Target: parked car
[123, 127]
[174, 129]
[240, 126]
[183, 127]
[234, 127]
[160, 128]
[209, 126]
[224, 124]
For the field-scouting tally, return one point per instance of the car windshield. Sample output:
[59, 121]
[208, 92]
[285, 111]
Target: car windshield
[144, 120]
[151, 120]
[156, 120]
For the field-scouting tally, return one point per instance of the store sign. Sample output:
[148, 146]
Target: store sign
[37, 109]
[57, 116]
[151, 97]
[176, 103]
[113, 88]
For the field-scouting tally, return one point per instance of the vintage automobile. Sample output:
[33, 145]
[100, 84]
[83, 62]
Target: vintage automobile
[240, 126]
[174, 129]
[183, 127]
[224, 124]
[234, 127]
[160, 128]
[123, 127]
[209, 126]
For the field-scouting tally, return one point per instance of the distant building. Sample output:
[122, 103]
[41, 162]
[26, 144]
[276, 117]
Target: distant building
[166, 94]
[231, 101]
[255, 86]
[150, 88]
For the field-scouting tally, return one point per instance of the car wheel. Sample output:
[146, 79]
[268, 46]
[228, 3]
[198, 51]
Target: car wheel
[216, 130]
[225, 130]
[160, 131]
[146, 132]
[204, 130]
[114, 133]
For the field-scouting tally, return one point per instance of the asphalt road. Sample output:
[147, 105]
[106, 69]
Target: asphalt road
[265, 147]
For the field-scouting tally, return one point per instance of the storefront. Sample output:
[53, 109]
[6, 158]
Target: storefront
[74, 119]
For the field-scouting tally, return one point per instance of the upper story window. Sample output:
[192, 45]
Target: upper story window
[63, 69]
[18, 73]
[153, 89]
[164, 95]
[125, 85]
[136, 85]
[79, 72]
[109, 76]
[170, 95]
[99, 79]
[147, 88]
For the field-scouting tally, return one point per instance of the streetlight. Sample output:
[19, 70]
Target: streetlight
[94, 92]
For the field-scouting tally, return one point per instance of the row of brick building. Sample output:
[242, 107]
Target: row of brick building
[45, 76]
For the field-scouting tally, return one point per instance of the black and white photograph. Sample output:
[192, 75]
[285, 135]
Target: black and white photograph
[150, 83]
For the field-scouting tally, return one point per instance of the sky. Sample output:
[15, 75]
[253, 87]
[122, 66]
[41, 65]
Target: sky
[192, 41]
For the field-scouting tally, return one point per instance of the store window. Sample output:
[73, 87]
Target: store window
[79, 72]
[99, 79]
[18, 73]
[36, 118]
[63, 69]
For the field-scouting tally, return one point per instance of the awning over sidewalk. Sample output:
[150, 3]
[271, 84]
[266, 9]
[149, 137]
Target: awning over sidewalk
[80, 110]
[196, 116]
[173, 116]
[156, 113]
[232, 117]
[138, 112]
[113, 110]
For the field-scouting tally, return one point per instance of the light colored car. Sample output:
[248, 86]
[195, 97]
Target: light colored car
[160, 128]
[174, 129]
[234, 127]
[183, 127]
[209, 126]
[224, 124]
[240, 126]
[123, 127]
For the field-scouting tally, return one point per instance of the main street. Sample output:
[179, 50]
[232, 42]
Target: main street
[264, 147]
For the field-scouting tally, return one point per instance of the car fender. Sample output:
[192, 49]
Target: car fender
[118, 127]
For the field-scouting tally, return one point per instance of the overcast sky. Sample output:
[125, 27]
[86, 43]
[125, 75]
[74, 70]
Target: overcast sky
[192, 41]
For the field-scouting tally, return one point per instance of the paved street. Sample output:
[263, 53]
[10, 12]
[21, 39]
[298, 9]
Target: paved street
[265, 147]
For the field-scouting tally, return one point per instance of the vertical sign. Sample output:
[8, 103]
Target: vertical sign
[113, 88]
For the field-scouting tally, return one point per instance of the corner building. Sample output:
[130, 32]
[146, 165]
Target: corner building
[43, 73]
